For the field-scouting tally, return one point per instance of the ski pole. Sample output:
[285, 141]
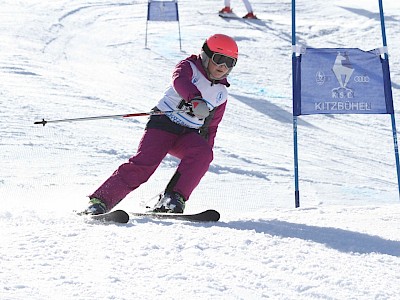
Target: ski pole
[151, 113]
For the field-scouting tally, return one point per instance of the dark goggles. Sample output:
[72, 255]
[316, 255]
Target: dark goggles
[220, 59]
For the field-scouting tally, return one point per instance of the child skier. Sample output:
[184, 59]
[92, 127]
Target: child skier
[199, 83]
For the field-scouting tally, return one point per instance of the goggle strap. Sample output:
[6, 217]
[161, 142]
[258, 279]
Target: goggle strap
[207, 50]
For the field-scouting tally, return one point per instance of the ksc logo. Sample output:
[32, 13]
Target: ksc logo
[219, 97]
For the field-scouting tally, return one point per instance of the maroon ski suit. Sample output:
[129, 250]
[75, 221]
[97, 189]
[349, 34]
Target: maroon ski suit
[191, 143]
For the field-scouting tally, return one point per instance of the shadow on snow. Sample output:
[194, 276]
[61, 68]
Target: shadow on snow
[335, 238]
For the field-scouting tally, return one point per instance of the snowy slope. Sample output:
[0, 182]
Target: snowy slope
[67, 59]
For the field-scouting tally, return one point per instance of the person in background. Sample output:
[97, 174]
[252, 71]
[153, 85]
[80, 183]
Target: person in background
[227, 9]
[199, 84]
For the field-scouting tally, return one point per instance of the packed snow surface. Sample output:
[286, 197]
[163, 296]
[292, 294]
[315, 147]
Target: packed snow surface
[79, 58]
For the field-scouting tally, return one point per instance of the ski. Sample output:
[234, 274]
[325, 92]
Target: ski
[229, 15]
[121, 216]
[117, 216]
[209, 215]
[235, 16]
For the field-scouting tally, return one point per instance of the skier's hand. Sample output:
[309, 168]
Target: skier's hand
[199, 108]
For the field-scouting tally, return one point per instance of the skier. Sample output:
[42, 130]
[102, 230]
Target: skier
[199, 83]
[227, 9]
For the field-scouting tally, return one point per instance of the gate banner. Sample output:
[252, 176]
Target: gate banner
[341, 81]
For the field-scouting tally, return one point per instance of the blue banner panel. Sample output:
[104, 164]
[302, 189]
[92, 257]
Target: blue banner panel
[162, 11]
[340, 81]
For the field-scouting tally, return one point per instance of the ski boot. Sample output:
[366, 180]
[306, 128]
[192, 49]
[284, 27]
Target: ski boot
[170, 203]
[226, 10]
[250, 15]
[96, 207]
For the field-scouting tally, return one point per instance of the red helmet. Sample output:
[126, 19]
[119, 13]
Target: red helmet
[221, 43]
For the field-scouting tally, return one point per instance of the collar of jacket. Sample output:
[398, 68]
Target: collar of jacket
[196, 59]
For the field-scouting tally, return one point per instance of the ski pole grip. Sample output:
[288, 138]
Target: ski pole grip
[44, 122]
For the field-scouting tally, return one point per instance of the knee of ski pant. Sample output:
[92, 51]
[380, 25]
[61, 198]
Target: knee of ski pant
[133, 174]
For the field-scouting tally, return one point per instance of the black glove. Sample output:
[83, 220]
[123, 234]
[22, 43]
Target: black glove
[198, 107]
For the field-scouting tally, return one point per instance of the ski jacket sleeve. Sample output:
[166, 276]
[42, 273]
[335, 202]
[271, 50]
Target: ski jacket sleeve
[182, 81]
[209, 129]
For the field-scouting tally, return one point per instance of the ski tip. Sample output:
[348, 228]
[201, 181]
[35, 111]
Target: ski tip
[117, 216]
[123, 216]
[213, 214]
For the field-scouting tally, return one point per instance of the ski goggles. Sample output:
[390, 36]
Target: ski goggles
[220, 59]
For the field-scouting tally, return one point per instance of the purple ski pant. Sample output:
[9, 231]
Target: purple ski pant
[193, 150]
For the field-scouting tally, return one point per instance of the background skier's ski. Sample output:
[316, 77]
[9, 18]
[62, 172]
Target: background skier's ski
[229, 15]
[235, 16]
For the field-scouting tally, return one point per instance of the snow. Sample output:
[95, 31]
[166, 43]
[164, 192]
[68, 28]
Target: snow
[78, 58]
